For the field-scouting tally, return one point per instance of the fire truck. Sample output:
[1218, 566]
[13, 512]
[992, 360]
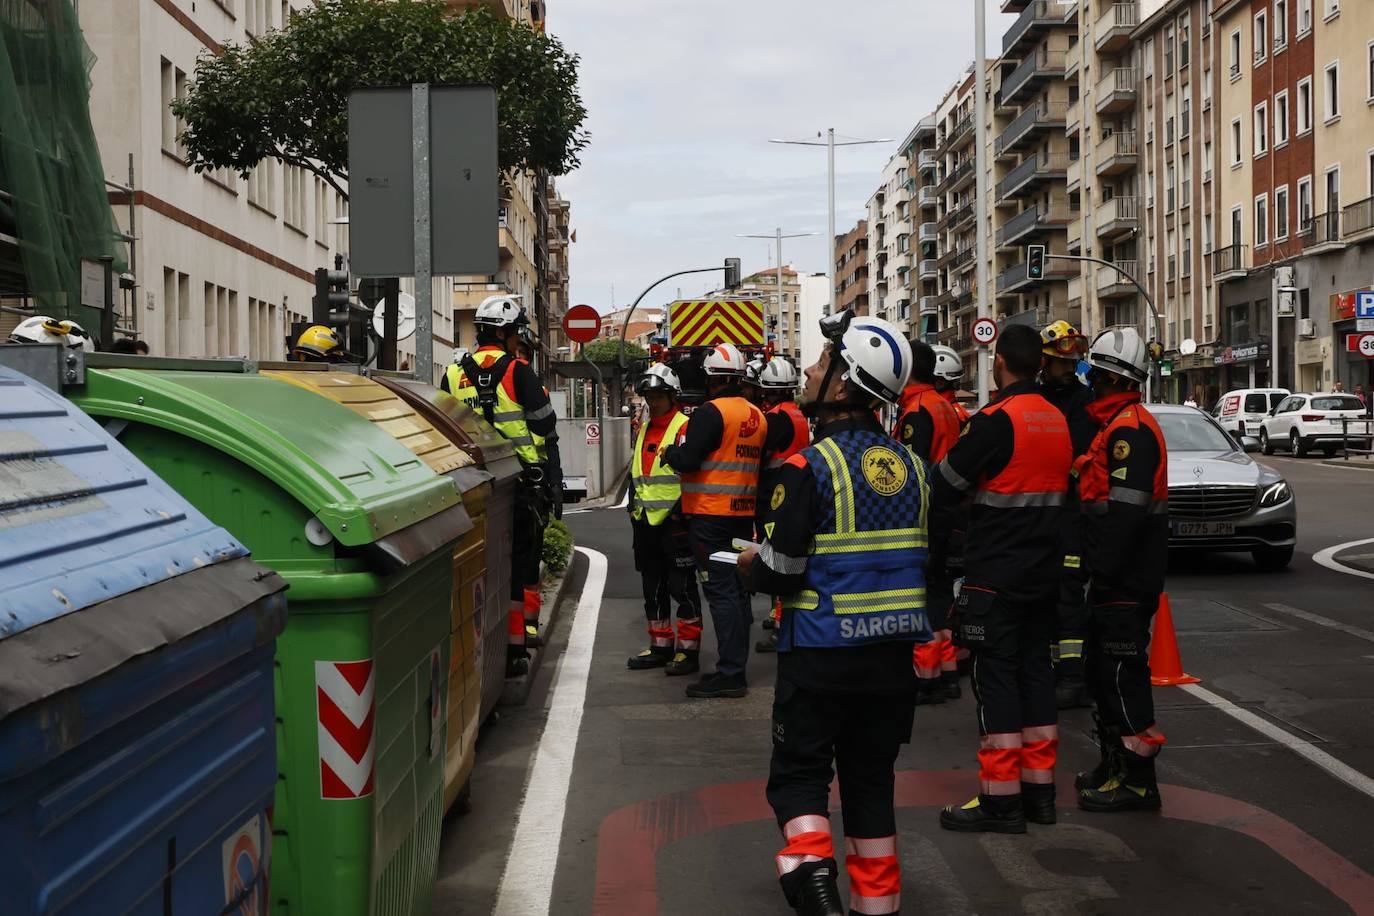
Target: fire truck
[694, 326]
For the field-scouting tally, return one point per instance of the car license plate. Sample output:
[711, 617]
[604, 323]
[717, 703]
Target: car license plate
[1204, 529]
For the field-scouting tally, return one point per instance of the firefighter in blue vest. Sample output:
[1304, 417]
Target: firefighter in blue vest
[846, 549]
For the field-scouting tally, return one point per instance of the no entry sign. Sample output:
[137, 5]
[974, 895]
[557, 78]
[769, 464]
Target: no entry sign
[582, 323]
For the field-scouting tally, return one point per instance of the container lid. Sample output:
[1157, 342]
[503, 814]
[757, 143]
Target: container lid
[358, 481]
[82, 521]
[384, 408]
[460, 423]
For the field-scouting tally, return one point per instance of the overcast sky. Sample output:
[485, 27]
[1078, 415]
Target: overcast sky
[682, 97]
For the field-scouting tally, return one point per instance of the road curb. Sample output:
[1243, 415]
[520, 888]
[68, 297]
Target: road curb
[516, 690]
[1362, 464]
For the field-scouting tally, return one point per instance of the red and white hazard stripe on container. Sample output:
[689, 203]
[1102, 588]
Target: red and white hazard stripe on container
[344, 694]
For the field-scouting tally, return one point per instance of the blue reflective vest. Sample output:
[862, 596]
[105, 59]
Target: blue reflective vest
[865, 574]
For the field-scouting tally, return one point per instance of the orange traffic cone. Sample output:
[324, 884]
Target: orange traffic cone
[1166, 668]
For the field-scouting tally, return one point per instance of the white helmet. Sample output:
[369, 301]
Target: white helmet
[1121, 351]
[778, 375]
[41, 329]
[752, 370]
[878, 357]
[499, 312]
[724, 359]
[658, 377]
[948, 365]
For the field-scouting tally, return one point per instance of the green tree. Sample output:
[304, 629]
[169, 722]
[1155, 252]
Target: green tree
[284, 95]
[607, 350]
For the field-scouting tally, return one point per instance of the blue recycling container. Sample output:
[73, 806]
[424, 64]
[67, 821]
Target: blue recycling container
[137, 729]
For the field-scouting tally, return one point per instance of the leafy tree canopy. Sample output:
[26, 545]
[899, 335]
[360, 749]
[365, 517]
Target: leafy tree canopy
[607, 350]
[284, 95]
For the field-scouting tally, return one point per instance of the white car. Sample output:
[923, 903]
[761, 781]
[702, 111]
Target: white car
[1304, 422]
[1240, 412]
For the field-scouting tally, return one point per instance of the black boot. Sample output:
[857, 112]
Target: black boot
[769, 643]
[949, 683]
[813, 889]
[684, 662]
[985, 815]
[532, 638]
[929, 692]
[719, 686]
[1131, 788]
[652, 657]
[517, 662]
[1108, 745]
[1037, 803]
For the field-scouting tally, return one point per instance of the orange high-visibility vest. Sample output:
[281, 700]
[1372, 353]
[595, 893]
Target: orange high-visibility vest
[1038, 472]
[801, 433]
[942, 413]
[728, 480]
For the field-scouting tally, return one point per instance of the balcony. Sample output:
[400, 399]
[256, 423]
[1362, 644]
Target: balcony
[1035, 20]
[1040, 65]
[1029, 174]
[959, 177]
[928, 161]
[1030, 221]
[928, 306]
[925, 128]
[927, 269]
[957, 134]
[963, 258]
[928, 197]
[1116, 92]
[1114, 27]
[1116, 153]
[1230, 262]
[1030, 124]
[928, 232]
[1326, 233]
[963, 299]
[1112, 285]
[1358, 218]
[1117, 217]
[963, 217]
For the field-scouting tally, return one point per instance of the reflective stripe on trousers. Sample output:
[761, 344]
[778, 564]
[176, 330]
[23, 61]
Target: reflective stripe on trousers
[808, 840]
[875, 874]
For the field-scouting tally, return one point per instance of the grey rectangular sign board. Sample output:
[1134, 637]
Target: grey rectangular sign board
[464, 179]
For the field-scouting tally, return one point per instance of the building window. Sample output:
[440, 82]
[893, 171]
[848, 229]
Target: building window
[1149, 57]
[1280, 213]
[1332, 104]
[1369, 74]
[1185, 117]
[1370, 154]
[1235, 54]
[1304, 16]
[1207, 233]
[169, 121]
[262, 186]
[1261, 129]
[293, 201]
[1261, 37]
[1235, 143]
[1183, 43]
[1304, 112]
[1206, 89]
[1281, 118]
[1330, 9]
[1169, 179]
[1333, 189]
[1237, 227]
[1280, 24]
[1261, 220]
[1304, 204]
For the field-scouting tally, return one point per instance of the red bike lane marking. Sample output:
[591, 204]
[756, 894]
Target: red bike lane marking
[630, 838]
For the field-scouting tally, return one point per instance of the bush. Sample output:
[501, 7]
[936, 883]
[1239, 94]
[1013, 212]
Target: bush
[607, 350]
[558, 545]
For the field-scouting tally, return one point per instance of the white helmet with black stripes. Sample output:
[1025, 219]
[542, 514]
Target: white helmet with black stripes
[1121, 351]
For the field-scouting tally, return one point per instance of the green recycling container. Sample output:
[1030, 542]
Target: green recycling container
[363, 532]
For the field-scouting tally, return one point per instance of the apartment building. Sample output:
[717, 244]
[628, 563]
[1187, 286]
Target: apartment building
[851, 269]
[923, 208]
[889, 261]
[784, 319]
[559, 241]
[1030, 103]
[955, 187]
[1175, 143]
[223, 265]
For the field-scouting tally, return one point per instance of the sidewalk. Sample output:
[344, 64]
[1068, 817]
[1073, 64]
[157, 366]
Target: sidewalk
[1355, 461]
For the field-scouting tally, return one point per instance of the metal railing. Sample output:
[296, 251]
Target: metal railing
[1230, 259]
[1326, 227]
[1108, 277]
[927, 232]
[1118, 16]
[927, 159]
[1038, 13]
[1118, 143]
[1044, 166]
[1120, 79]
[1363, 433]
[1018, 225]
[1040, 114]
[1358, 217]
[1040, 61]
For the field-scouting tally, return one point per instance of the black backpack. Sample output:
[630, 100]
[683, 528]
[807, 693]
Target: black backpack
[485, 381]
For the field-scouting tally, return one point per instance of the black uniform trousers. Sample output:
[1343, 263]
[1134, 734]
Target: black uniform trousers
[731, 614]
[1117, 659]
[1072, 613]
[667, 569]
[860, 733]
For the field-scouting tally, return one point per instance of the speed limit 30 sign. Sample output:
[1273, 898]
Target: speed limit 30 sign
[984, 332]
[1362, 344]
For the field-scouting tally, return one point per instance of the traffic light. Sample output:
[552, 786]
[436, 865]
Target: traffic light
[732, 278]
[331, 293]
[1035, 262]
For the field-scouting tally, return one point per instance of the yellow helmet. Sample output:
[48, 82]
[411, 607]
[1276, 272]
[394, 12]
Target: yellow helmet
[1062, 340]
[317, 341]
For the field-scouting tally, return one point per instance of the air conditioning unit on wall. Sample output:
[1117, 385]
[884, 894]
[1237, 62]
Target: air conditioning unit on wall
[1307, 327]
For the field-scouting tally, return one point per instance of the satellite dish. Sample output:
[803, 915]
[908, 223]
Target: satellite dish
[405, 317]
[1188, 347]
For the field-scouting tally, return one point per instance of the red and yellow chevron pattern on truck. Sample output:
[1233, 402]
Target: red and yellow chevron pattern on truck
[708, 322]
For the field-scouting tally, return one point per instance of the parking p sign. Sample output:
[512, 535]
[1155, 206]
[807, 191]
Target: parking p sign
[1364, 304]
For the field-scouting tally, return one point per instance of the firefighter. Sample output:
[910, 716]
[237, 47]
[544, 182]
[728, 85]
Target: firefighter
[505, 390]
[752, 389]
[316, 343]
[1124, 490]
[662, 553]
[1062, 346]
[846, 545]
[788, 433]
[527, 347]
[949, 371]
[928, 425]
[718, 459]
[1012, 463]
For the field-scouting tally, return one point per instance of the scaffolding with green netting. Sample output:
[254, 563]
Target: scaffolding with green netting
[54, 212]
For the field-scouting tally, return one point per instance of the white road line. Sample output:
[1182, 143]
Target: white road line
[1327, 558]
[1346, 774]
[1321, 621]
[527, 882]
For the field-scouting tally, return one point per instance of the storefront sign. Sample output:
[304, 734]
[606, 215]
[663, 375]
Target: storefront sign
[1241, 353]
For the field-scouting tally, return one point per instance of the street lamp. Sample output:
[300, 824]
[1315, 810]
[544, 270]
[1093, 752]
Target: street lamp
[778, 236]
[829, 143]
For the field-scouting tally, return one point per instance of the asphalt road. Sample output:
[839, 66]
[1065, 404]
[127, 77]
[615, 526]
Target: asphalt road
[641, 801]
